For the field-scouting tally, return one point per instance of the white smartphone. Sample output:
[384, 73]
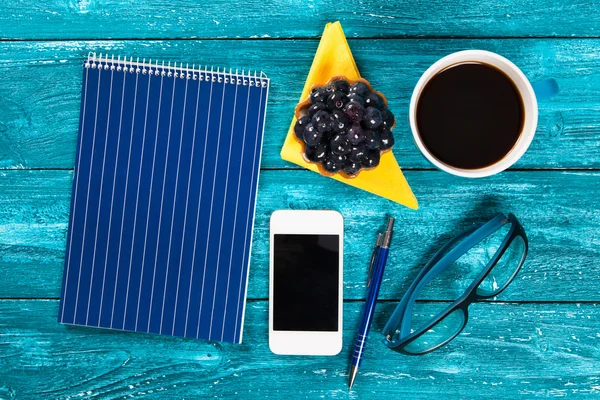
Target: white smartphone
[306, 282]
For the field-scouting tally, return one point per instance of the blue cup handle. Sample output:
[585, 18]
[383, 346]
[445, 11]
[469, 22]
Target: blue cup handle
[545, 89]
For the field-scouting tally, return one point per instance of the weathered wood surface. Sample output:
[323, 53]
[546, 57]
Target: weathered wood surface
[559, 210]
[507, 351]
[40, 90]
[74, 19]
[542, 343]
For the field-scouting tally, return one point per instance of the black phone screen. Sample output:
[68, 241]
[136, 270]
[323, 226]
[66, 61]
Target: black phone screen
[306, 282]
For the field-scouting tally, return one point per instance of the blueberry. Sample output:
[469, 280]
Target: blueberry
[332, 166]
[372, 139]
[339, 85]
[372, 99]
[318, 95]
[300, 125]
[355, 134]
[351, 167]
[371, 160]
[324, 127]
[316, 153]
[357, 152]
[319, 116]
[339, 121]
[387, 140]
[356, 97]
[312, 110]
[312, 136]
[359, 88]
[339, 115]
[388, 119]
[336, 100]
[340, 146]
[354, 111]
[309, 128]
[337, 138]
[373, 118]
[339, 127]
[338, 158]
[322, 121]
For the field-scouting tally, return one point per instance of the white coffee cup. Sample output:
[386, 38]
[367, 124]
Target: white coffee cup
[523, 86]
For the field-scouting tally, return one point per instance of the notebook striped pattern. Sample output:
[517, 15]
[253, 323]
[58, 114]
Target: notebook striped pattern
[163, 203]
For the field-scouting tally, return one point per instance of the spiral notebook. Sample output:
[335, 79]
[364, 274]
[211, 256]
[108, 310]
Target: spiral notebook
[164, 195]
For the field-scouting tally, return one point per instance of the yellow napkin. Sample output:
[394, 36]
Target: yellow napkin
[334, 58]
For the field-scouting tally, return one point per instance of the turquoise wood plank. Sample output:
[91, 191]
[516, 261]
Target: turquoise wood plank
[189, 19]
[40, 88]
[507, 351]
[558, 210]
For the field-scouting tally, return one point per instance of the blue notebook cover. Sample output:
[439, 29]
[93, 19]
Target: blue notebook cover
[163, 203]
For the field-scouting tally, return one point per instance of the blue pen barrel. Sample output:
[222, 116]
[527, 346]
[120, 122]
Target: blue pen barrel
[369, 308]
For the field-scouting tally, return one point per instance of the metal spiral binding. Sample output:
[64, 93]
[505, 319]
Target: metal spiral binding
[176, 71]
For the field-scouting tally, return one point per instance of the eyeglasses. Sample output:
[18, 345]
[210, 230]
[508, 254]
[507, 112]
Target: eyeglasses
[479, 264]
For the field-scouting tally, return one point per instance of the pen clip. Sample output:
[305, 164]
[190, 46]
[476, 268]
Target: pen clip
[387, 236]
[377, 246]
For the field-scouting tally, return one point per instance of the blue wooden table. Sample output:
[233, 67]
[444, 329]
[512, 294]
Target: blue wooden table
[540, 338]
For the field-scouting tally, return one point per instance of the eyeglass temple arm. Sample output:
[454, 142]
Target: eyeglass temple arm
[474, 238]
[434, 268]
[396, 317]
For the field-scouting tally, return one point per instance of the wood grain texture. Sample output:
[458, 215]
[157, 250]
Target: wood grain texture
[541, 343]
[559, 211]
[41, 89]
[72, 19]
[506, 351]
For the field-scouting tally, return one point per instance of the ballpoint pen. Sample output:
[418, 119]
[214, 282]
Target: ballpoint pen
[378, 260]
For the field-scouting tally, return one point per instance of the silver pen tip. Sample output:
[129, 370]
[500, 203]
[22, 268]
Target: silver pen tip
[353, 372]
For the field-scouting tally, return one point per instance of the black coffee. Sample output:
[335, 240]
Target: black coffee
[470, 115]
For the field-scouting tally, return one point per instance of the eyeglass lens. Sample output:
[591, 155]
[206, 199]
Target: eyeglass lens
[504, 269]
[438, 334]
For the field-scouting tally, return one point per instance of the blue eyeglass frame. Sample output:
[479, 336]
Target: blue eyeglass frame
[401, 318]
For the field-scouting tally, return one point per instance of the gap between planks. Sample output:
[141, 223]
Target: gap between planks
[291, 38]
